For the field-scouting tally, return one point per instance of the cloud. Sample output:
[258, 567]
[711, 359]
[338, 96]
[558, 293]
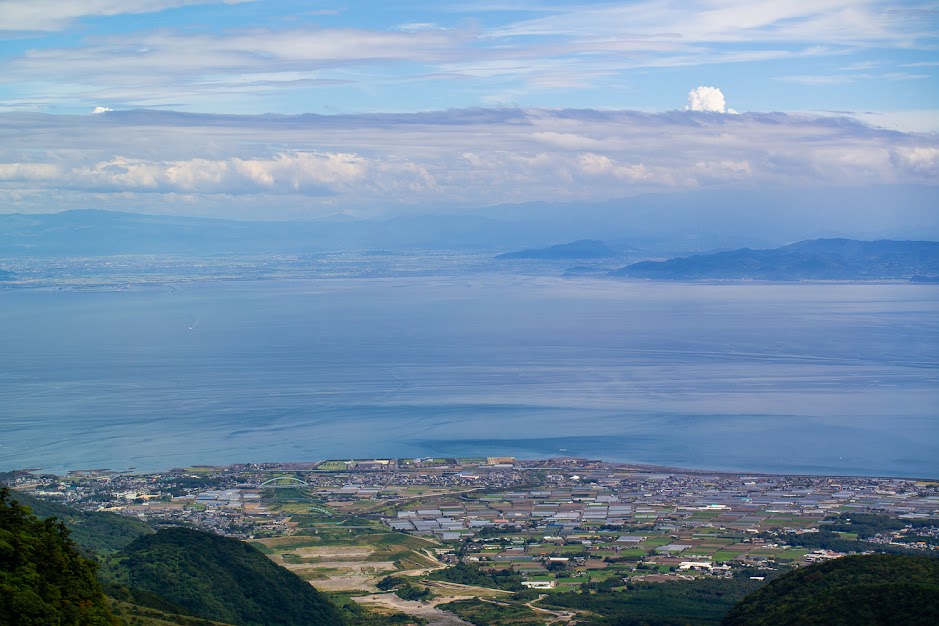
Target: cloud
[503, 58]
[706, 99]
[99, 109]
[388, 163]
[30, 172]
[52, 15]
[917, 121]
[160, 68]
[920, 159]
[843, 22]
[808, 79]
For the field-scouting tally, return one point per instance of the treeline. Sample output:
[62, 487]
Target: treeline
[467, 574]
[831, 535]
[698, 602]
[96, 533]
[493, 613]
[185, 575]
[858, 589]
[218, 578]
[404, 589]
[43, 578]
[866, 525]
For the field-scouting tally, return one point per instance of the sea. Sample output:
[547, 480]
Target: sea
[797, 378]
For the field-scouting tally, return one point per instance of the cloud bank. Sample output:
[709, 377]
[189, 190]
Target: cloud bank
[263, 166]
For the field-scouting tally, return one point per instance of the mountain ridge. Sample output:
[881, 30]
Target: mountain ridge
[816, 259]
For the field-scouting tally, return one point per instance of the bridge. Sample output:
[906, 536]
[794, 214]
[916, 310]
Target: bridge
[284, 481]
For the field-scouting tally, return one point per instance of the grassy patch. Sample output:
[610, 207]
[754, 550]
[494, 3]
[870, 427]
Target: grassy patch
[484, 613]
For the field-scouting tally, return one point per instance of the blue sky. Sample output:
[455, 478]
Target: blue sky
[299, 57]
[874, 65]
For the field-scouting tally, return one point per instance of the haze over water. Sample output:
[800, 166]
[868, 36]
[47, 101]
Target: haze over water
[798, 378]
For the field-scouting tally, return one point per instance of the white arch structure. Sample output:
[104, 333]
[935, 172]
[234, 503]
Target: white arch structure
[277, 482]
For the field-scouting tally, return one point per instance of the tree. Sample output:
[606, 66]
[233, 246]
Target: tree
[43, 578]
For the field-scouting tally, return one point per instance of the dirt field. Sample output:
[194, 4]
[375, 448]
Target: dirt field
[433, 615]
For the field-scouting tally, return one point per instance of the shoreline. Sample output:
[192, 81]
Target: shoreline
[517, 463]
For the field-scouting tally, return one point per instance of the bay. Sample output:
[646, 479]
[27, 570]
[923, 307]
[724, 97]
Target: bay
[791, 378]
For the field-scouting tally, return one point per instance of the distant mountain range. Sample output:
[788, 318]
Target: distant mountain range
[819, 259]
[104, 233]
[661, 225]
[582, 249]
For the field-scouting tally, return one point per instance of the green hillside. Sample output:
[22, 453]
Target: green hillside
[96, 533]
[874, 589]
[136, 615]
[219, 579]
[43, 578]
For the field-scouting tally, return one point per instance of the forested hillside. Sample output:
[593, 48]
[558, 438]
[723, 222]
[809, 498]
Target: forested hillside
[43, 578]
[96, 533]
[217, 578]
[853, 590]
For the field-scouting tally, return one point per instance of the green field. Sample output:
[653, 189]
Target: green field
[332, 466]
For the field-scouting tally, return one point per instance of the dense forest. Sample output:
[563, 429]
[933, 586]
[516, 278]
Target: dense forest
[44, 579]
[97, 533]
[850, 591]
[466, 574]
[662, 604]
[217, 578]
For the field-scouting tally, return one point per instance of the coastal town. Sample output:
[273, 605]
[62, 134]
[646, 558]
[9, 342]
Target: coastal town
[557, 522]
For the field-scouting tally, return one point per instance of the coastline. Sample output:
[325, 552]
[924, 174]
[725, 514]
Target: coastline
[565, 463]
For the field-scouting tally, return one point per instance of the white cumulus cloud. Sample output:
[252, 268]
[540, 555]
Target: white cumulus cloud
[707, 99]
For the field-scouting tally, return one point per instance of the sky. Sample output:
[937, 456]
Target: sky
[292, 109]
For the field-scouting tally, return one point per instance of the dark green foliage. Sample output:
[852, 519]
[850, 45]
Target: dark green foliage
[135, 615]
[828, 540]
[866, 525]
[220, 579]
[854, 590]
[356, 615]
[44, 581]
[466, 574]
[404, 589]
[493, 613]
[95, 533]
[410, 592]
[143, 598]
[390, 582]
[702, 601]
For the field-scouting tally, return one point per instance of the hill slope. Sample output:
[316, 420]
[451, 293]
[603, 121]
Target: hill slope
[853, 590]
[220, 579]
[97, 533]
[43, 578]
[818, 259]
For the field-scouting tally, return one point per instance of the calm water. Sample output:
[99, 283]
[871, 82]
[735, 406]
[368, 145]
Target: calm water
[840, 379]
